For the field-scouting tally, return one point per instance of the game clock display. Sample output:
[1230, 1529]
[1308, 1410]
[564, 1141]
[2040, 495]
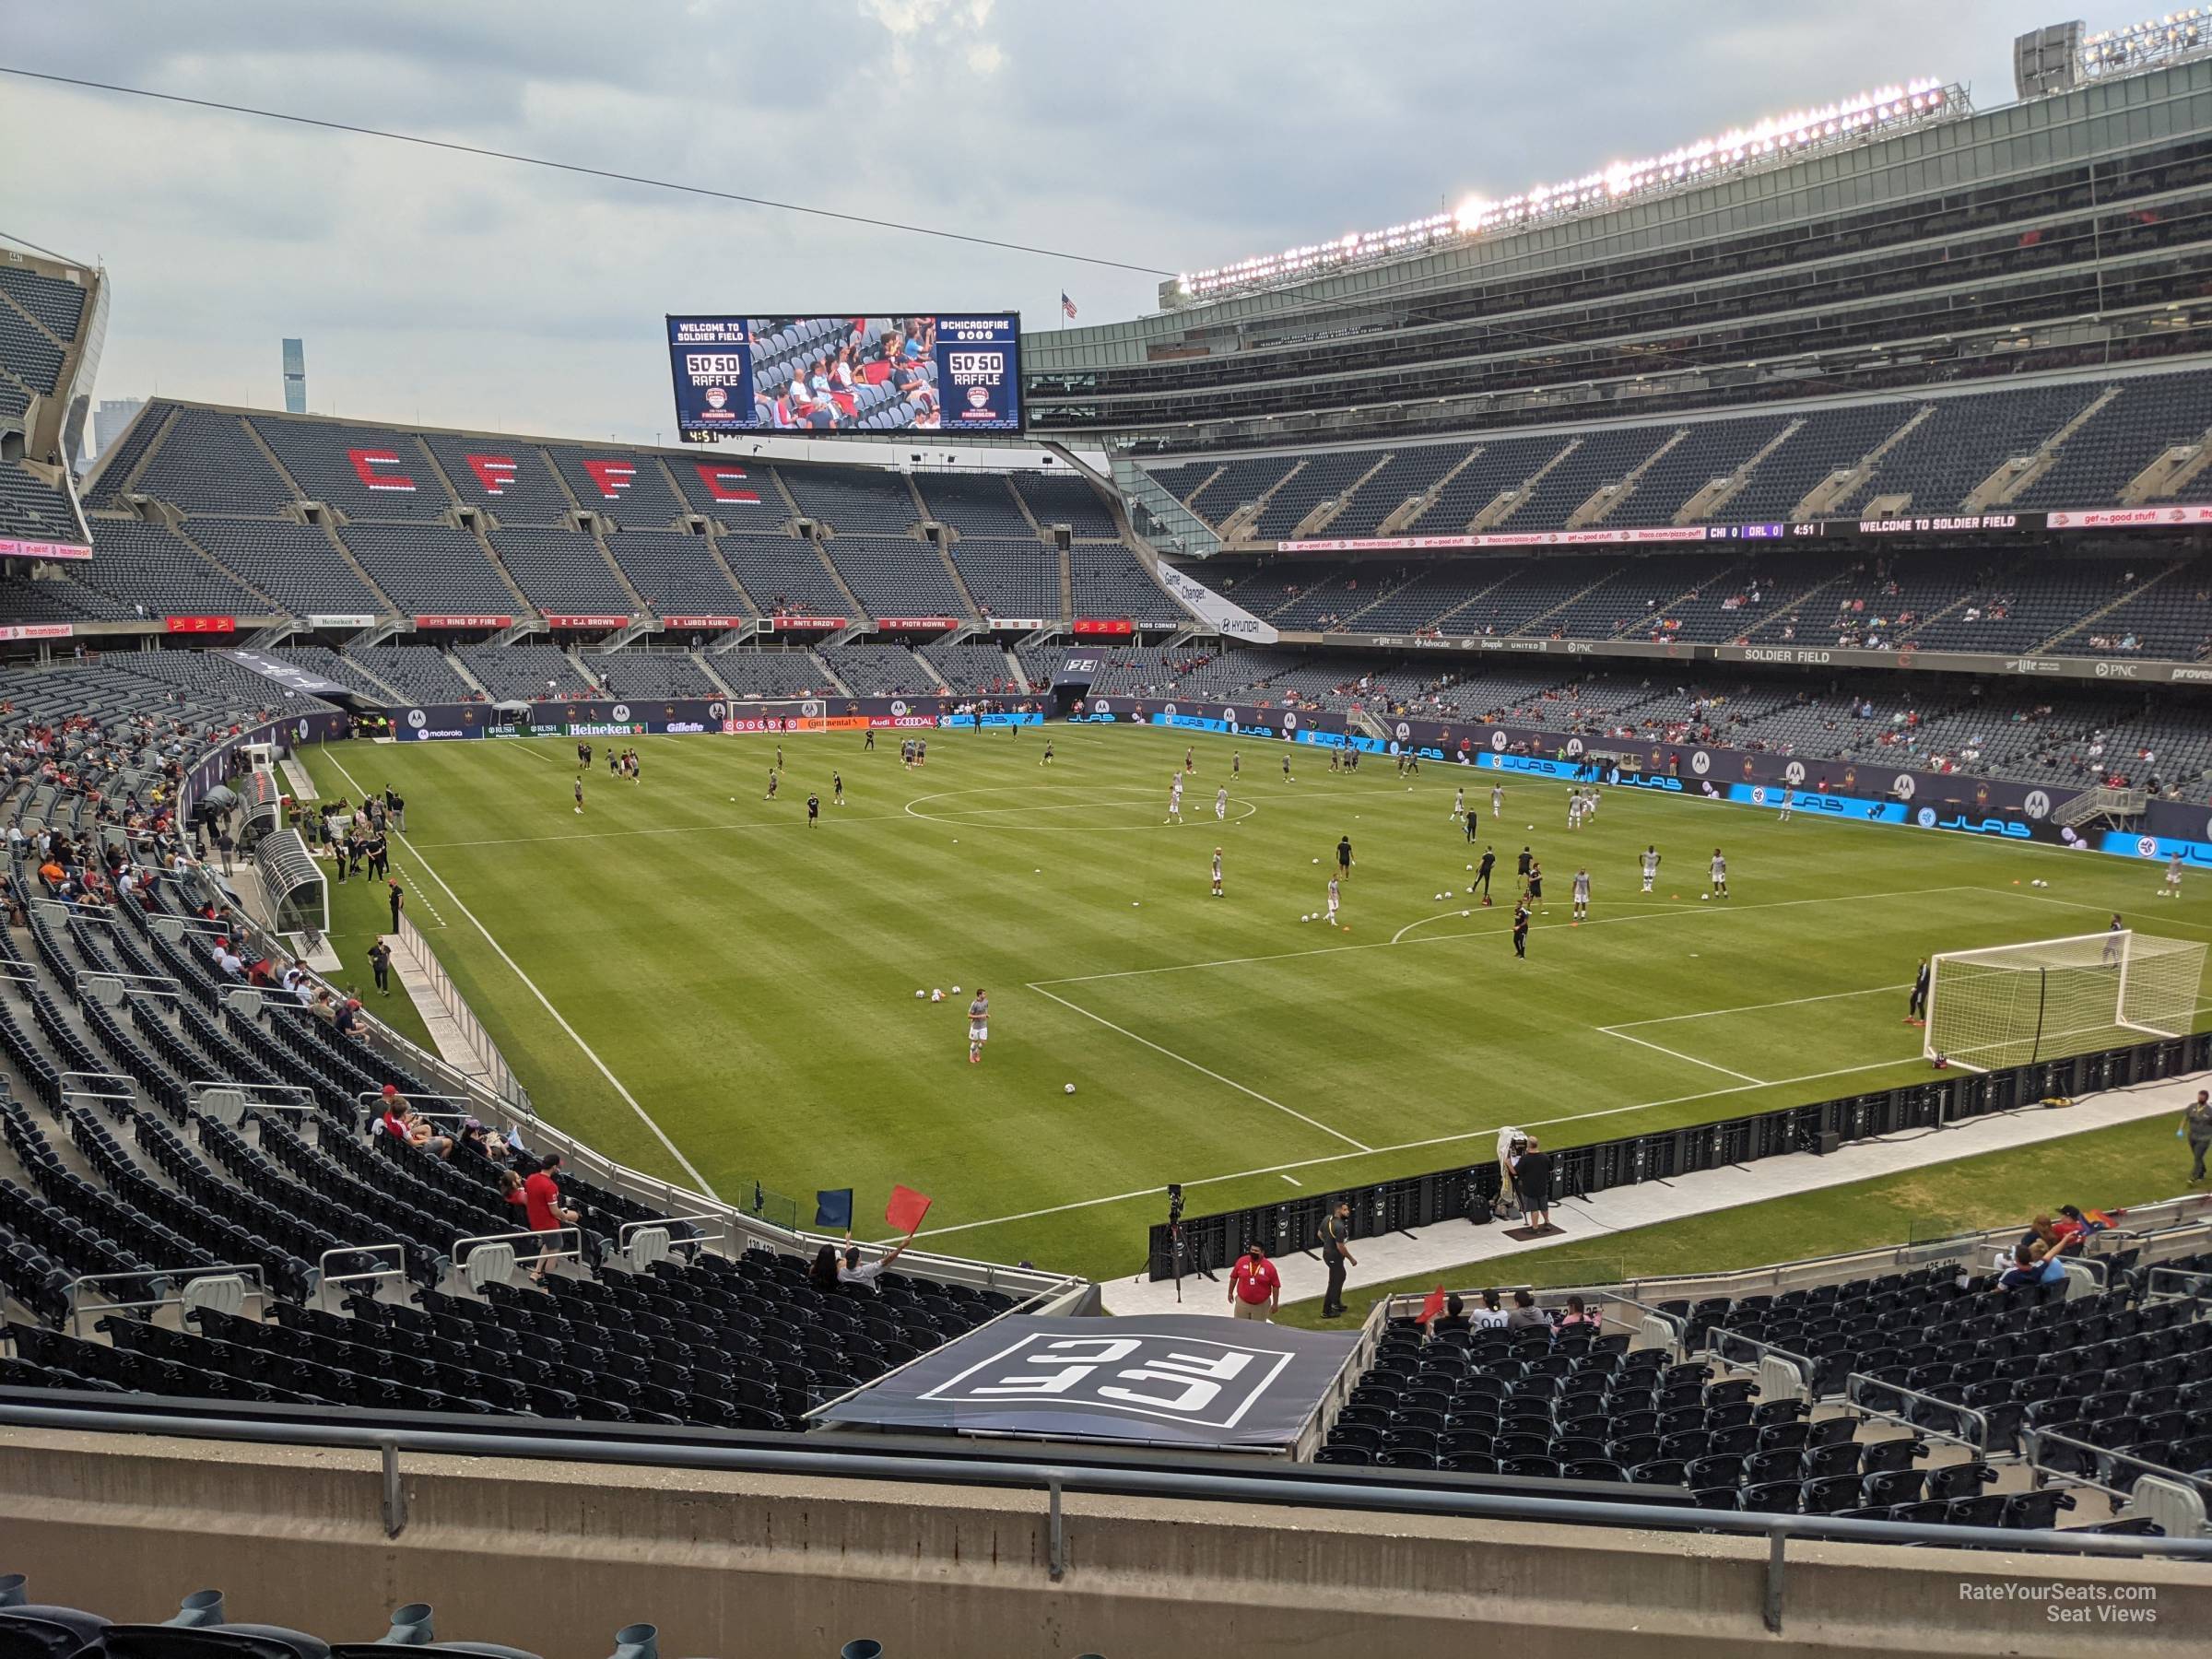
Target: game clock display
[888, 371]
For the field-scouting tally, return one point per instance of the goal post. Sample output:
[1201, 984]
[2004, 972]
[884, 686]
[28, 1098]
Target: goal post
[2014, 1004]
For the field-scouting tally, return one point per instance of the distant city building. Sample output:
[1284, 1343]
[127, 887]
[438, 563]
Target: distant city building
[295, 377]
[108, 419]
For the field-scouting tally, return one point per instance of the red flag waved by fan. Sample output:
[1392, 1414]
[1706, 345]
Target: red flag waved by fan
[1433, 1307]
[905, 1211]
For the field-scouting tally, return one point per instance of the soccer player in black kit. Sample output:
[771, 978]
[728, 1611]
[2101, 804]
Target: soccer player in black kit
[1474, 818]
[813, 811]
[1482, 873]
[1344, 856]
[1520, 928]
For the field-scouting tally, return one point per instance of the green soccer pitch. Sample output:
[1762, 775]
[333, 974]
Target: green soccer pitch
[685, 975]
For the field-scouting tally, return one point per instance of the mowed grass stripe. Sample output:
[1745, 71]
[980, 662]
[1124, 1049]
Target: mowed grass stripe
[752, 982]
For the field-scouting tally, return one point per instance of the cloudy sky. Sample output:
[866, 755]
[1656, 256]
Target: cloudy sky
[1168, 134]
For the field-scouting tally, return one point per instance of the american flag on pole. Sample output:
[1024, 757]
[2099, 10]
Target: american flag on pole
[1068, 306]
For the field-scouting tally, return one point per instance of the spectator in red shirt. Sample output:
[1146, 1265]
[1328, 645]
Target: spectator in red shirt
[1254, 1287]
[539, 1196]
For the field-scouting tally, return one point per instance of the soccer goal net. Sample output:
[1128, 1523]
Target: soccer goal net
[2020, 1003]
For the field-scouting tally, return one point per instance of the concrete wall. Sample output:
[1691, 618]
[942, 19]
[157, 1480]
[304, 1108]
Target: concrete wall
[554, 1557]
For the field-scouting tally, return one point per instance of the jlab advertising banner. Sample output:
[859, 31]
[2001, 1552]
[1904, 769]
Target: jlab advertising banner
[1862, 791]
[685, 717]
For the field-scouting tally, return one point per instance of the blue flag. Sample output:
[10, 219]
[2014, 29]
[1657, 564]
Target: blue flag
[834, 1209]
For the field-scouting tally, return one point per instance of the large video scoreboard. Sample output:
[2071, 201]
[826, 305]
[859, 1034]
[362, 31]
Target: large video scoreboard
[884, 373]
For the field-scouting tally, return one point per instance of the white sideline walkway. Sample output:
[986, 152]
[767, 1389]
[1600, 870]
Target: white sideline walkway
[446, 1035]
[1452, 1250]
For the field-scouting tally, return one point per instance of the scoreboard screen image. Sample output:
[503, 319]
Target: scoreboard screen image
[888, 372]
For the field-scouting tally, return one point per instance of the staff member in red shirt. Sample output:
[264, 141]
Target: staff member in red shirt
[540, 1198]
[1254, 1287]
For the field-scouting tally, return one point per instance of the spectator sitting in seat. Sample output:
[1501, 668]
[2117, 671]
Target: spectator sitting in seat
[853, 1273]
[1577, 1317]
[821, 1273]
[2027, 1271]
[1526, 1316]
[2048, 1238]
[348, 1020]
[1489, 1316]
[397, 1120]
[1454, 1318]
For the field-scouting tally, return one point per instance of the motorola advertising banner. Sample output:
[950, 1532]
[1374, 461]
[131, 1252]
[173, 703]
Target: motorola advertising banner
[1181, 1380]
[890, 372]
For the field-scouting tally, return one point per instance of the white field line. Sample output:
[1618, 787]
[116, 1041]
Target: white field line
[1216, 1076]
[1677, 1054]
[796, 823]
[545, 1002]
[1735, 909]
[1416, 1146]
[1795, 1002]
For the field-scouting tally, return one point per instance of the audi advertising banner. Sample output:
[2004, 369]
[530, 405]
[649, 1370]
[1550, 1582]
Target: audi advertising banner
[1179, 1379]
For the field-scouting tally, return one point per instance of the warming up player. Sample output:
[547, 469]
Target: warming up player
[979, 1025]
[774, 778]
[579, 791]
[1786, 798]
[1217, 872]
[1482, 876]
[1333, 900]
[1497, 799]
[1574, 809]
[1720, 876]
[1651, 867]
[1047, 760]
[1916, 1011]
[1582, 894]
[1459, 806]
[1220, 803]
[2174, 878]
[1175, 800]
[1287, 777]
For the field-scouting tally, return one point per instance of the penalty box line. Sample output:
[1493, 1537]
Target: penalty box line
[1416, 1146]
[1658, 916]
[1623, 1029]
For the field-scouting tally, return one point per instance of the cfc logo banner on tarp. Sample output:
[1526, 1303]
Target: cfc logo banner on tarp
[1180, 1378]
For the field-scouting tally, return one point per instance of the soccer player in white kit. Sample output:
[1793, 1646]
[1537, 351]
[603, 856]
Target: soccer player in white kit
[1582, 894]
[1786, 805]
[1651, 867]
[1574, 809]
[2173, 877]
[1332, 902]
[979, 1025]
[1220, 803]
[1459, 804]
[1497, 799]
[1175, 800]
[1217, 872]
[1719, 874]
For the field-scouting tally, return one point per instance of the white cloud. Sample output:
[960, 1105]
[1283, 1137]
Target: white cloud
[1155, 132]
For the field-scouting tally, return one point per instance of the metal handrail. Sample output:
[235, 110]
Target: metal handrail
[324, 1279]
[628, 1230]
[2198, 1290]
[461, 1246]
[1315, 1492]
[1979, 1446]
[302, 1099]
[1806, 1366]
[2099, 1457]
[169, 1285]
